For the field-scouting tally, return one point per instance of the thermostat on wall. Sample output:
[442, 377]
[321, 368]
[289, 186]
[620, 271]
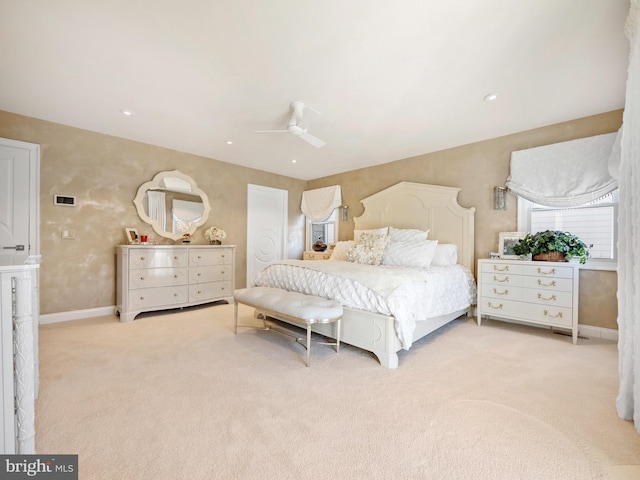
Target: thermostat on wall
[64, 200]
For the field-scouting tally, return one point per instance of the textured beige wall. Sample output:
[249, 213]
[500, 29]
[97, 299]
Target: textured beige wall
[104, 174]
[476, 168]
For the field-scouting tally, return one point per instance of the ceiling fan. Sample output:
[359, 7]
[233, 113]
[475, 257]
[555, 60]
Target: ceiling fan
[299, 122]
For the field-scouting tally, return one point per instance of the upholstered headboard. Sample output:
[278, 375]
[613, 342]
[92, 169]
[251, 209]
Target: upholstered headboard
[427, 207]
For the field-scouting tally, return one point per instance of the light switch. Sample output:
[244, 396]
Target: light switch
[68, 234]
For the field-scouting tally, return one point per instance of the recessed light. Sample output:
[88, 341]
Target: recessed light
[491, 97]
[294, 161]
[229, 142]
[128, 113]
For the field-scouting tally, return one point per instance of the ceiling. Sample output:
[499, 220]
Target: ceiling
[391, 79]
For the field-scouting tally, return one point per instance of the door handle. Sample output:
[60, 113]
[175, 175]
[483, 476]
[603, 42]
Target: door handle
[19, 248]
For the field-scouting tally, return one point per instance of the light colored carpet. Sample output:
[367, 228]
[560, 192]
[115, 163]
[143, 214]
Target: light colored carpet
[179, 396]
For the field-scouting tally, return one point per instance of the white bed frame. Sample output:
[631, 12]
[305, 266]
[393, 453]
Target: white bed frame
[407, 205]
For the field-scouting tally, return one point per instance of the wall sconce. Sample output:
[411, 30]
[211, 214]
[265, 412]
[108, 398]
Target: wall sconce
[345, 213]
[499, 198]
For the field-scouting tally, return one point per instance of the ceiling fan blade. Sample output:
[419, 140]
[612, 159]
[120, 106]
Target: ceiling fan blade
[316, 142]
[309, 116]
[271, 131]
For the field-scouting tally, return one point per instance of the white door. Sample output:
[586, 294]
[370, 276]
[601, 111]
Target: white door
[267, 222]
[19, 201]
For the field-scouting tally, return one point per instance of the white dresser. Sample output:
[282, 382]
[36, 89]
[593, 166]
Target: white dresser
[160, 277]
[544, 293]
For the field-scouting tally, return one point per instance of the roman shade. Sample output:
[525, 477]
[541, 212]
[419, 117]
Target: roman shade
[565, 174]
[318, 204]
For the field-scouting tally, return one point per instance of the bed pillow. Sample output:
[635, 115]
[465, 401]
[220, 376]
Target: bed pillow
[369, 249]
[407, 234]
[373, 231]
[417, 254]
[446, 255]
[341, 249]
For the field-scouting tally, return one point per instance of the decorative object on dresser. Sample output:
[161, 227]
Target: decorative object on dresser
[319, 246]
[172, 204]
[132, 235]
[506, 242]
[529, 292]
[552, 246]
[161, 277]
[215, 235]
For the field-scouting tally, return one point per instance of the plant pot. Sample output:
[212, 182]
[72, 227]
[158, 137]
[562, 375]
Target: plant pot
[215, 242]
[550, 257]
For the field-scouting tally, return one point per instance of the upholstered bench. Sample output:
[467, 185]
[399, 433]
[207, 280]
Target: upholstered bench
[292, 307]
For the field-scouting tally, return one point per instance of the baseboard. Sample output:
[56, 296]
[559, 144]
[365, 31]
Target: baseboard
[598, 332]
[76, 315]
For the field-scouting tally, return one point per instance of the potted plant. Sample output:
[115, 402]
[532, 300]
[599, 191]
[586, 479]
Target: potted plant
[552, 245]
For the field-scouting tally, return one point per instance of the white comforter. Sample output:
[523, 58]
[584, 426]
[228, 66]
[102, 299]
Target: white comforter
[408, 294]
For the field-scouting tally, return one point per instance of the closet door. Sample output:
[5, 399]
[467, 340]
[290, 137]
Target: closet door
[19, 202]
[267, 221]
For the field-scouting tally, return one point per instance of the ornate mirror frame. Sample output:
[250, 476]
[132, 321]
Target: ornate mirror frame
[156, 184]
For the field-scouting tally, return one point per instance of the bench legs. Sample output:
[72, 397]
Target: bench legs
[309, 325]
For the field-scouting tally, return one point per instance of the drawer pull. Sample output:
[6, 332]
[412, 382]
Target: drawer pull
[223, 288]
[499, 307]
[141, 278]
[175, 257]
[552, 297]
[506, 292]
[496, 279]
[141, 298]
[223, 255]
[199, 274]
[222, 272]
[142, 259]
[199, 257]
[199, 292]
[551, 272]
[550, 284]
[547, 314]
[175, 294]
[175, 276]
[505, 269]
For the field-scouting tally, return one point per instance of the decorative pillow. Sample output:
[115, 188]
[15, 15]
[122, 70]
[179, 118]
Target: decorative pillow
[369, 249]
[374, 231]
[407, 234]
[341, 249]
[417, 254]
[446, 255]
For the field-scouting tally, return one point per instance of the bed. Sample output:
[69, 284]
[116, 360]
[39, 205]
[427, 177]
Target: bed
[376, 322]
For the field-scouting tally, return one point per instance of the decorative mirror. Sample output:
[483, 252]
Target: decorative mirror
[172, 204]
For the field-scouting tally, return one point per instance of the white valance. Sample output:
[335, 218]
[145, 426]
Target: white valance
[565, 174]
[318, 204]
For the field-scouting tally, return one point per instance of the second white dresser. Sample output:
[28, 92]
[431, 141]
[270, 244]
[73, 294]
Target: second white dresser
[160, 277]
[544, 293]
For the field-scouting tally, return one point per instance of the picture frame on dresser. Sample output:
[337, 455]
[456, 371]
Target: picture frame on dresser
[132, 235]
[506, 241]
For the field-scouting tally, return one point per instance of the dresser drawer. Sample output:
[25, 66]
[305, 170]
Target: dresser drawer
[149, 258]
[220, 256]
[504, 268]
[543, 283]
[157, 277]
[209, 291]
[529, 312]
[210, 273]
[148, 298]
[501, 291]
[504, 279]
[312, 255]
[551, 298]
[544, 269]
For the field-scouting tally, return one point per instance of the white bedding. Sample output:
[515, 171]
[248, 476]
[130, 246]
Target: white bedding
[408, 294]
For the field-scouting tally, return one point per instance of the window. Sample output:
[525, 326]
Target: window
[593, 222]
[326, 230]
